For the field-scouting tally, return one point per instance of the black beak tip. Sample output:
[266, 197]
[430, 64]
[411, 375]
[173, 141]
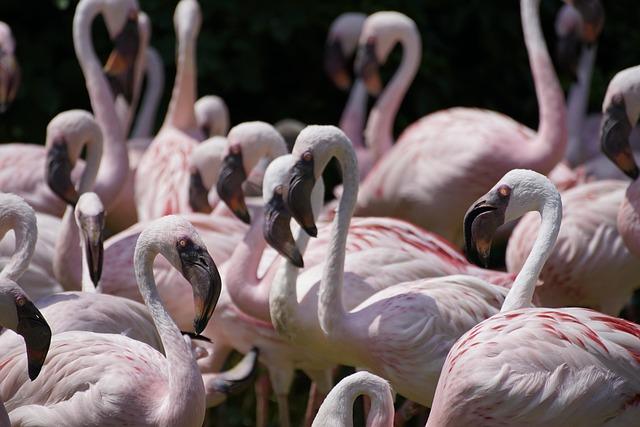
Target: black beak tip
[244, 217]
[311, 230]
[199, 324]
[34, 370]
[633, 173]
[297, 259]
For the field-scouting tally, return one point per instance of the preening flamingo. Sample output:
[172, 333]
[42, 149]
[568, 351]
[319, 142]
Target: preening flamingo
[337, 409]
[163, 173]
[212, 116]
[536, 366]
[341, 45]
[126, 376]
[401, 332]
[9, 68]
[449, 158]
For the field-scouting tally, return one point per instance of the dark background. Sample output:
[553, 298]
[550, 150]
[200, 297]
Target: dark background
[265, 57]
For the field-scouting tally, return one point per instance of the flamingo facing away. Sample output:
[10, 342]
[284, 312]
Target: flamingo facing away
[589, 251]
[163, 173]
[125, 376]
[342, 42]
[212, 115]
[9, 68]
[536, 366]
[337, 409]
[120, 14]
[401, 332]
[451, 157]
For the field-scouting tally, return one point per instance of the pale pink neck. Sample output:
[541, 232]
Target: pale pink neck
[551, 140]
[354, 114]
[66, 259]
[115, 161]
[577, 104]
[379, 131]
[248, 292]
[181, 113]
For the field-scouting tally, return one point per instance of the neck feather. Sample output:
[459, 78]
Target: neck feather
[521, 293]
[181, 113]
[115, 161]
[379, 131]
[155, 81]
[551, 140]
[353, 116]
[26, 234]
[66, 268]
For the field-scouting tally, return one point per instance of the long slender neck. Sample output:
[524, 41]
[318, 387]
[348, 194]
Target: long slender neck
[283, 299]
[87, 283]
[577, 104]
[246, 290]
[182, 365]
[25, 242]
[354, 114]
[379, 131]
[521, 293]
[66, 268]
[551, 139]
[331, 311]
[115, 161]
[153, 92]
[181, 113]
[337, 409]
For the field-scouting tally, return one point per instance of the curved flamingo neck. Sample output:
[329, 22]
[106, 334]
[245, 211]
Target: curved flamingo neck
[183, 368]
[521, 293]
[155, 82]
[551, 140]
[331, 310]
[26, 235]
[115, 161]
[577, 104]
[181, 113]
[248, 292]
[354, 114]
[378, 134]
[66, 268]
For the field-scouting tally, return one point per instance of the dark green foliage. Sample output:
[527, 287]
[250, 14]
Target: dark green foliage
[265, 58]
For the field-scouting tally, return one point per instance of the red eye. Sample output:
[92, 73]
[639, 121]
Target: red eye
[234, 149]
[504, 190]
[307, 156]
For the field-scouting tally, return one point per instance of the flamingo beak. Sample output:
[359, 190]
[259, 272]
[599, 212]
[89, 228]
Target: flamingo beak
[277, 232]
[58, 172]
[198, 194]
[480, 224]
[238, 378]
[568, 54]
[37, 336]
[201, 272]
[367, 67]
[229, 186]
[119, 68]
[299, 196]
[335, 65]
[614, 137]
[593, 16]
[94, 244]
[9, 80]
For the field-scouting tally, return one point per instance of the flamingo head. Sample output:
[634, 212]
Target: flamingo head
[9, 68]
[212, 116]
[58, 171]
[614, 135]
[593, 16]
[341, 44]
[569, 31]
[205, 163]
[276, 228]
[229, 186]
[90, 218]
[19, 314]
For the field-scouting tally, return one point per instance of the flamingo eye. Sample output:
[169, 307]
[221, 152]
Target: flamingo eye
[307, 156]
[234, 149]
[21, 301]
[182, 243]
[504, 191]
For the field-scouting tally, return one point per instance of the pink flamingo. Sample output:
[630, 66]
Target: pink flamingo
[337, 409]
[163, 172]
[212, 116]
[536, 366]
[134, 378]
[9, 68]
[401, 332]
[449, 158]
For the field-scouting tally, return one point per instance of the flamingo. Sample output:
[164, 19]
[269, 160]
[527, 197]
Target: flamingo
[212, 115]
[163, 172]
[449, 158]
[126, 376]
[401, 332]
[536, 366]
[9, 68]
[337, 409]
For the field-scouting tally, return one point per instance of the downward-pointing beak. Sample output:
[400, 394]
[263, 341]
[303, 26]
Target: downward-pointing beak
[614, 137]
[201, 272]
[119, 68]
[58, 172]
[95, 251]
[335, 65]
[299, 196]
[568, 53]
[480, 224]
[198, 194]
[239, 377]
[9, 80]
[229, 186]
[277, 230]
[37, 336]
[367, 68]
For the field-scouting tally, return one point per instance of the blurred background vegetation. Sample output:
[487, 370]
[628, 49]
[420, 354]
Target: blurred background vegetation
[265, 60]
